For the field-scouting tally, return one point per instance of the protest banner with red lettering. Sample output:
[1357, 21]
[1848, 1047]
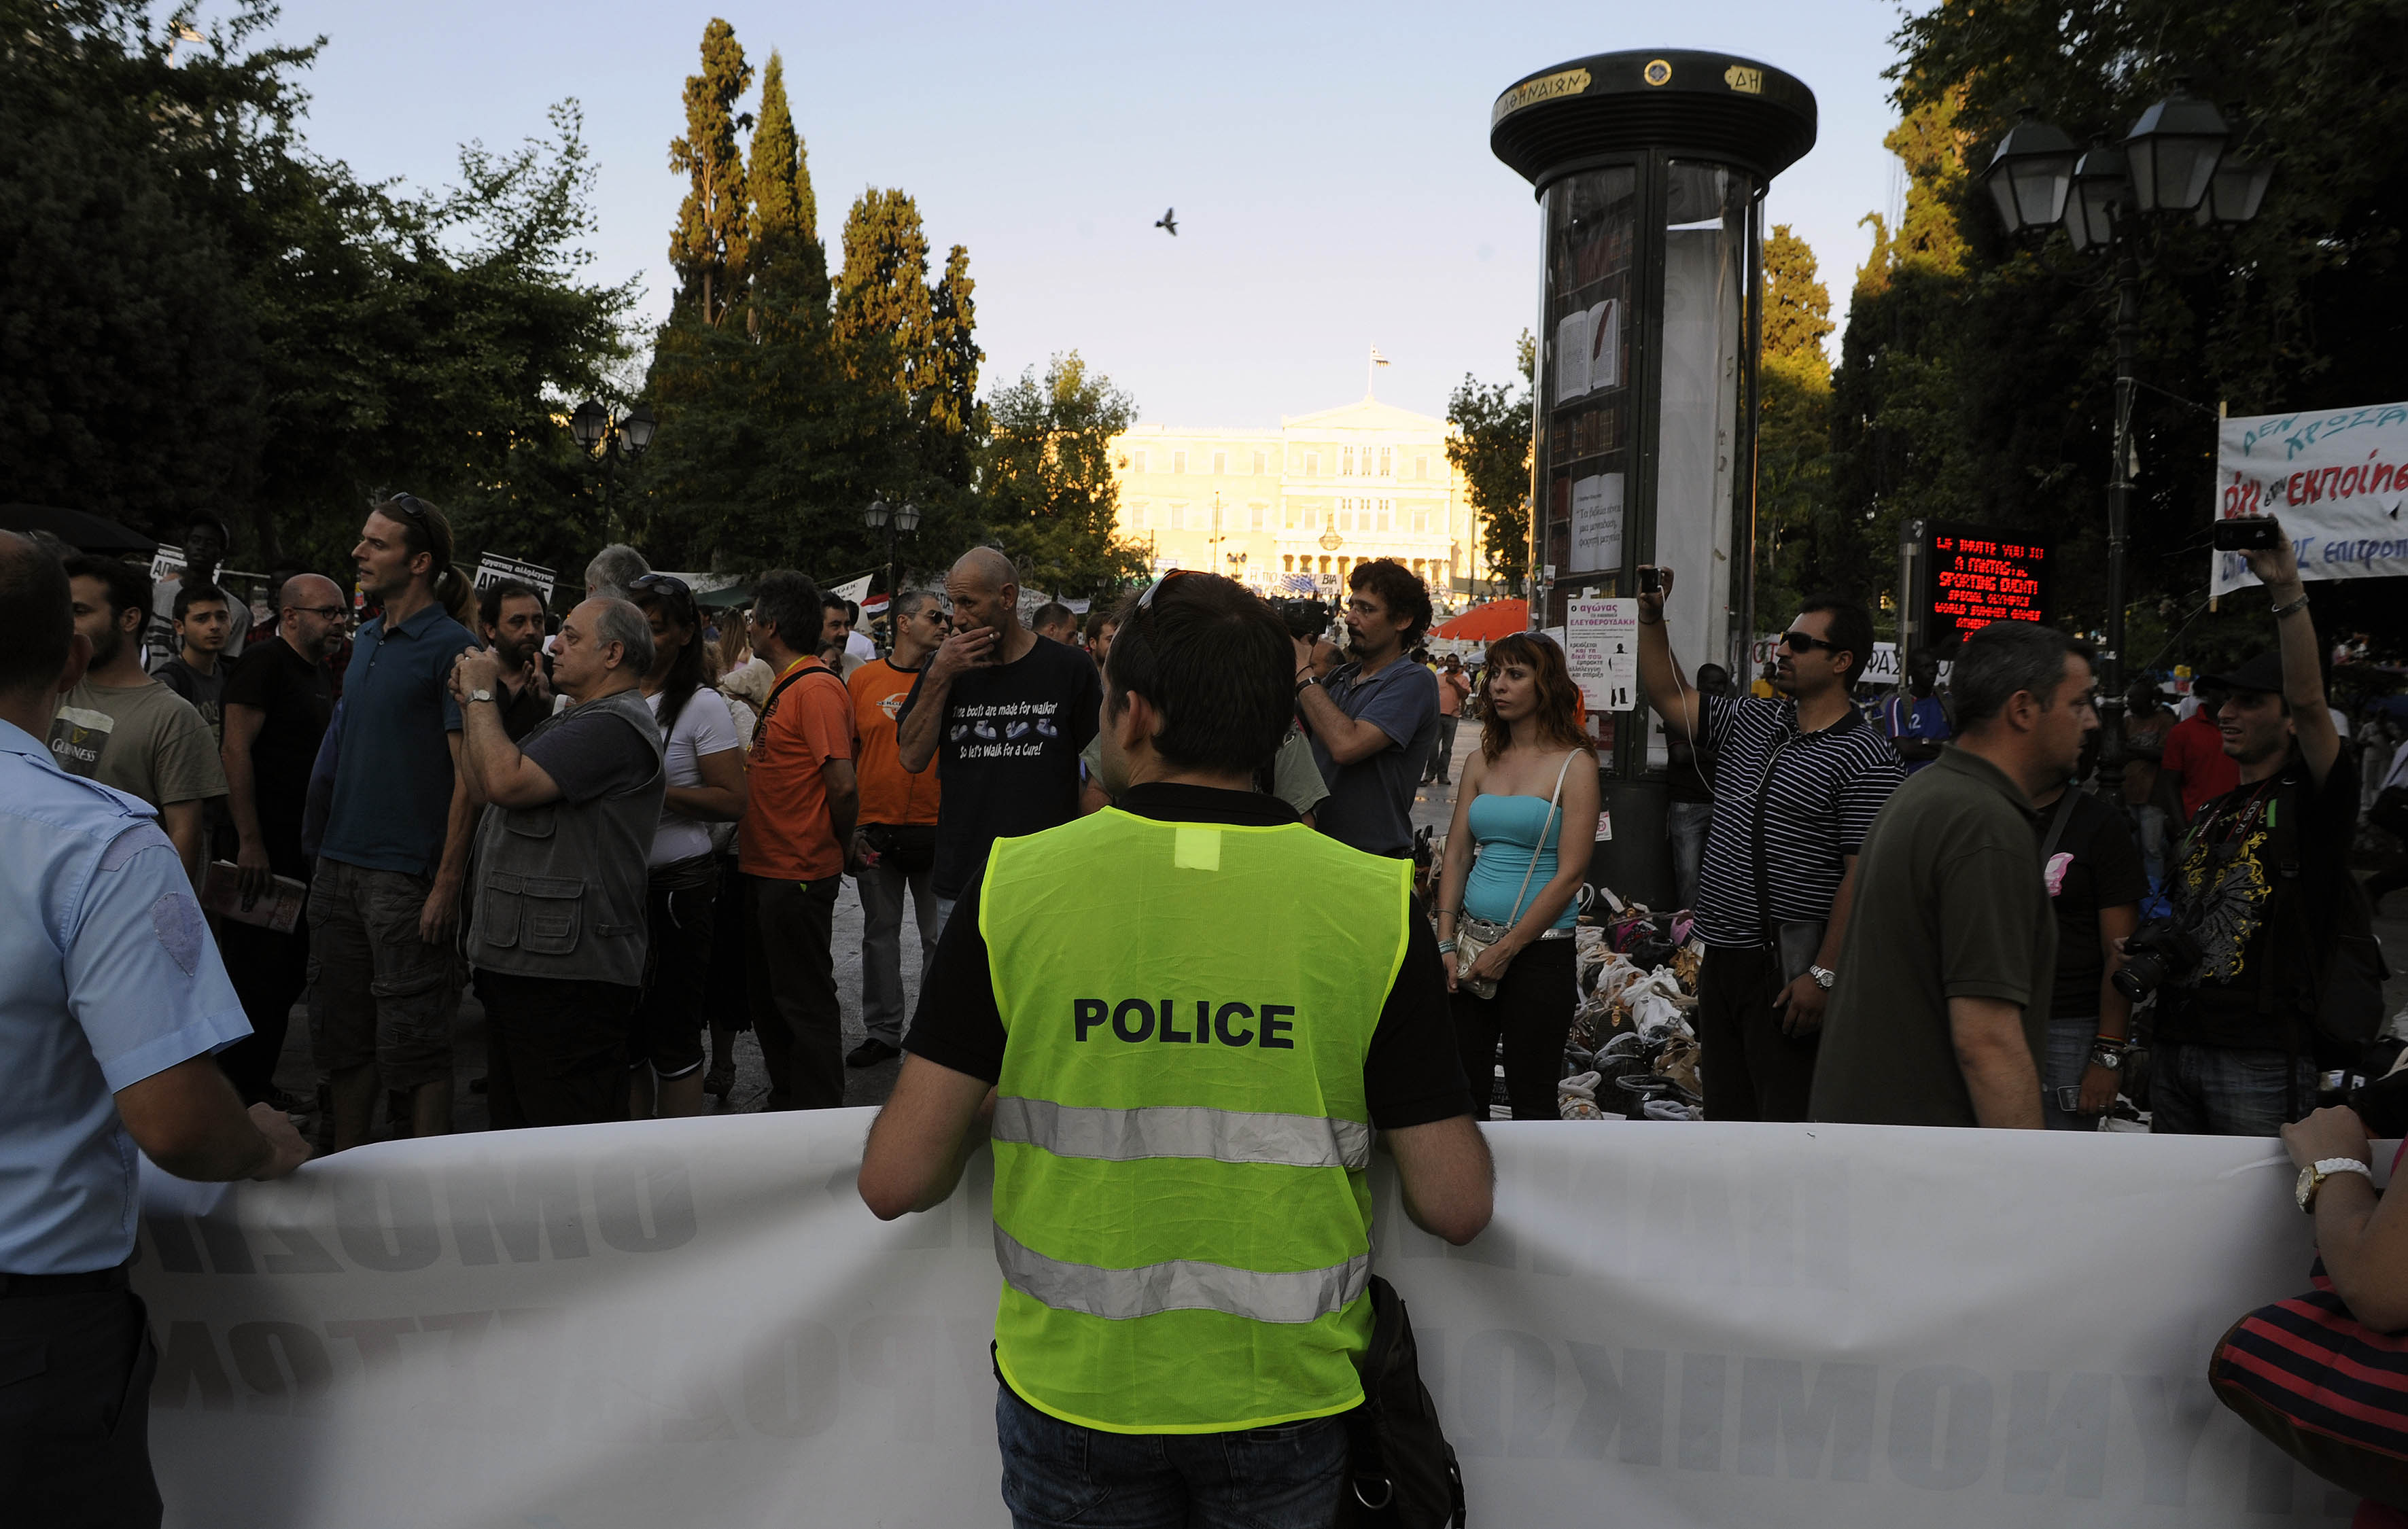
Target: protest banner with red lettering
[2336, 481]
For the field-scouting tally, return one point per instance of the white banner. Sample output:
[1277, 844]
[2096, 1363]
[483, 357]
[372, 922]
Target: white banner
[854, 589]
[695, 1322]
[2338, 481]
[494, 568]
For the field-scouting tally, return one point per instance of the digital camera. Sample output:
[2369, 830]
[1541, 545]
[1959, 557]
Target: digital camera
[2156, 950]
[1305, 619]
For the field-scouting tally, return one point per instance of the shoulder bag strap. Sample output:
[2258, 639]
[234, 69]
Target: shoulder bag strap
[2057, 822]
[1546, 826]
[1756, 842]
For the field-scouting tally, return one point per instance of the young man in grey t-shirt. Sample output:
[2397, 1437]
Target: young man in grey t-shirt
[1374, 720]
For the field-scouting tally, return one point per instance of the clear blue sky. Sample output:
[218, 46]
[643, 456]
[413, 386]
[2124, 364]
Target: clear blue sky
[1329, 163]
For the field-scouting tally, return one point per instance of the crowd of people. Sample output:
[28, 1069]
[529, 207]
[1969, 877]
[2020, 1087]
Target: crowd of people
[629, 827]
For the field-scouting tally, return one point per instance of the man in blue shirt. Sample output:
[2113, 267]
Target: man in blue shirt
[112, 1000]
[396, 842]
[1374, 720]
[1917, 720]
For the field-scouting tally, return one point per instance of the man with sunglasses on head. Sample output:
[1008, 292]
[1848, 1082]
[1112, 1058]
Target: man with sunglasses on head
[1797, 781]
[896, 844]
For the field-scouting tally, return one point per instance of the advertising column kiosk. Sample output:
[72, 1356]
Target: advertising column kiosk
[1650, 167]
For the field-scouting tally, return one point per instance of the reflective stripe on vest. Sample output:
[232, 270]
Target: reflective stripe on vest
[1229, 1135]
[1181, 1285]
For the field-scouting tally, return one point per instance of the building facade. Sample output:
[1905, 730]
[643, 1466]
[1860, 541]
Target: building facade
[1317, 495]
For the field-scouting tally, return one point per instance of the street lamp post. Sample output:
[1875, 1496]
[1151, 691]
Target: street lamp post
[2172, 161]
[901, 520]
[598, 432]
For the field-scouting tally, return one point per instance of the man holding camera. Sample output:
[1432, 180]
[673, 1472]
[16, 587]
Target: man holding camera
[1798, 782]
[1374, 720]
[2257, 891]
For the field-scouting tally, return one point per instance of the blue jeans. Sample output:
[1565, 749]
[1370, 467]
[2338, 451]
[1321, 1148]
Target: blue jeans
[1686, 824]
[1059, 1475]
[2069, 1058]
[2217, 1091]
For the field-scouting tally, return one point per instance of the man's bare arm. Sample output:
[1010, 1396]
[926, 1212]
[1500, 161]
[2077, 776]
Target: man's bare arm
[1349, 739]
[923, 1138]
[1988, 1034]
[185, 829]
[1447, 1176]
[1659, 669]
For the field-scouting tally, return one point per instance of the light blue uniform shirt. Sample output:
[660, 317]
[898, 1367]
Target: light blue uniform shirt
[107, 976]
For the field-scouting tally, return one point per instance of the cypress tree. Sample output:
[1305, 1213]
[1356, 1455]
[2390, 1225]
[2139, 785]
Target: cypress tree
[710, 244]
[882, 308]
[785, 252]
[949, 391]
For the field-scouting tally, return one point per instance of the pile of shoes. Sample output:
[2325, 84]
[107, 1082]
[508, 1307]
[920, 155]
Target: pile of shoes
[1632, 1053]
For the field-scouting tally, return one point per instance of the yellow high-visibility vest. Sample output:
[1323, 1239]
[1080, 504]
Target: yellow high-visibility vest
[1180, 1132]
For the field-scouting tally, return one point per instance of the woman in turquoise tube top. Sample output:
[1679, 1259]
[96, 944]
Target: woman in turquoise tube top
[1533, 838]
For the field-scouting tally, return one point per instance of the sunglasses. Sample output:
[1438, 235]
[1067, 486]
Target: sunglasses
[410, 505]
[670, 584]
[1799, 642]
[1145, 601]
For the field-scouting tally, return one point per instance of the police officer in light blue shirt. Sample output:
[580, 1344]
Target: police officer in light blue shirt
[112, 1001]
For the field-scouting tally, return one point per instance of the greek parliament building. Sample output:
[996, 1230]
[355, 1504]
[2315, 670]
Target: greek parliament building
[1315, 496]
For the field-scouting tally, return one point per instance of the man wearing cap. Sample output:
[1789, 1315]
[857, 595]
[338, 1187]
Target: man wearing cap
[2259, 884]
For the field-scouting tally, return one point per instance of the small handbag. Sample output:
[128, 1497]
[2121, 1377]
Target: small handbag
[1473, 935]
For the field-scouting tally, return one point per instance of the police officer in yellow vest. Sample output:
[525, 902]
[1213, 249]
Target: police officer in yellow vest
[1180, 1020]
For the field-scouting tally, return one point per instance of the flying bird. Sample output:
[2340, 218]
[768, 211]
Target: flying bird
[1168, 221]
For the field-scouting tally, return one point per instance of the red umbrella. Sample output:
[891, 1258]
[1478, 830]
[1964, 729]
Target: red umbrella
[1487, 622]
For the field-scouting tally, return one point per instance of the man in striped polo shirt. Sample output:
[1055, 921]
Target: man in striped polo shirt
[1798, 780]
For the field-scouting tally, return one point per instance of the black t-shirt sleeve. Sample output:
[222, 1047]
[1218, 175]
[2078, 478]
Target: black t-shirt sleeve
[957, 1024]
[1413, 1076]
[913, 699]
[252, 678]
[2118, 875]
[592, 756]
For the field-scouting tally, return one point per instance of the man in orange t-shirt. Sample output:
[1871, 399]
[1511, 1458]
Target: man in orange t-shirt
[896, 845]
[793, 846]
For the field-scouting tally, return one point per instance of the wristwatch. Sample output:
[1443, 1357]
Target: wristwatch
[2313, 1179]
[2102, 1056]
[1823, 977]
[477, 695]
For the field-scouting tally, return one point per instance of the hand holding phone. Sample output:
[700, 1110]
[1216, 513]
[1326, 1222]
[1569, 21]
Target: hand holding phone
[2246, 534]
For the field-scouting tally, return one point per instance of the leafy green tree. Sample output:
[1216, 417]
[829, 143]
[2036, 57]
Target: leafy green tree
[1794, 417]
[1982, 387]
[423, 341]
[785, 252]
[713, 234]
[1490, 445]
[883, 312]
[1046, 482]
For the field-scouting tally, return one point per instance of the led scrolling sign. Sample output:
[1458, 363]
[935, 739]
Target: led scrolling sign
[1979, 577]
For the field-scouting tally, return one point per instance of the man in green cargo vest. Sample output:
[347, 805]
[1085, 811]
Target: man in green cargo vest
[1181, 1020]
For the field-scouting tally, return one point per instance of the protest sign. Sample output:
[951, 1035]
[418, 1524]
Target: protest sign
[493, 568]
[854, 589]
[2336, 480]
[696, 1321]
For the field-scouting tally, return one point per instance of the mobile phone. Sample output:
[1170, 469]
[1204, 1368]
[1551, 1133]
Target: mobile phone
[2068, 1099]
[1651, 580]
[2247, 534]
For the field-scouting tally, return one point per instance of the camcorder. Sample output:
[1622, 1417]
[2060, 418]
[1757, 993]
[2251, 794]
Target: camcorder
[1305, 619]
[2156, 950]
